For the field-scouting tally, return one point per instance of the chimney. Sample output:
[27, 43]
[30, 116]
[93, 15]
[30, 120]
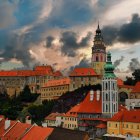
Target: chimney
[91, 95]
[28, 120]
[98, 95]
[7, 124]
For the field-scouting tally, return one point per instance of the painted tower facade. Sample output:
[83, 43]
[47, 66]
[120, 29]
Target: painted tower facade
[98, 53]
[109, 89]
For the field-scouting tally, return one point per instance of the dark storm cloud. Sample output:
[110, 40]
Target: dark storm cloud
[134, 64]
[127, 33]
[16, 48]
[49, 41]
[118, 61]
[70, 43]
[82, 64]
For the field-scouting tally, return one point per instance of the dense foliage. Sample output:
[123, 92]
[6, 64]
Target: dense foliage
[11, 107]
[134, 79]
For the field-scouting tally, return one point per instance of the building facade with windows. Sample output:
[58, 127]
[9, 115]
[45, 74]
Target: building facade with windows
[53, 89]
[125, 124]
[81, 77]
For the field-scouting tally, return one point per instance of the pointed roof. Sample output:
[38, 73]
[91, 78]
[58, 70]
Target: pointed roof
[136, 88]
[88, 106]
[38, 133]
[127, 116]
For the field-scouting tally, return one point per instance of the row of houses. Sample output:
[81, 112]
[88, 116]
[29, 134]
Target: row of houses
[15, 130]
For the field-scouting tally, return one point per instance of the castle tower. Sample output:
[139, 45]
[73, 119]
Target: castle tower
[109, 89]
[98, 53]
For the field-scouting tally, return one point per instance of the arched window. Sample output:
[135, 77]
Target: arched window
[106, 96]
[97, 58]
[106, 108]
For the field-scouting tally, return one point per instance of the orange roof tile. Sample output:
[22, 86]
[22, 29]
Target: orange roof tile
[127, 116]
[57, 82]
[57, 73]
[38, 133]
[101, 125]
[136, 88]
[73, 111]
[119, 82]
[38, 71]
[83, 72]
[2, 125]
[121, 108]
[17, 131]
[93, 106]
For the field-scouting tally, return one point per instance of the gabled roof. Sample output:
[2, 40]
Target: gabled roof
[73, 111]
[57, 82]
[83, 72]
[17, 131]
[93, 106]
[136, 88]
[2, 125]
[127, 116]
[57, 73]
[37, 133]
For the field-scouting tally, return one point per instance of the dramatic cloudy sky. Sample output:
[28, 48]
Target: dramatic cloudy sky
[60, 33]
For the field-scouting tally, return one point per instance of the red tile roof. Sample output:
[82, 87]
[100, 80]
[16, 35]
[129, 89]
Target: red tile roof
[83, 72]
[2, 125]
[88, 106]
[119, 82]
[121, 108]
[37, 133]
[17, 131]
[73, 111]
[127, 116]
[136, 88]
[57, 82]
[57, 73]
[39, 70]
[101, 125]
[52, 116]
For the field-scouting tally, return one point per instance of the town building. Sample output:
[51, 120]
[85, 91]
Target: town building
[98, 59]
[90, 116]
[53, 89]
[70, 119]
[14, 81]
[52, 120]
[109, 90]
[134, 101]
[81, 77]
[124, 125]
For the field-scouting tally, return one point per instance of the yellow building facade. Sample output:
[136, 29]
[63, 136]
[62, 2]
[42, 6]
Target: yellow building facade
[53, 89]
[126, 123]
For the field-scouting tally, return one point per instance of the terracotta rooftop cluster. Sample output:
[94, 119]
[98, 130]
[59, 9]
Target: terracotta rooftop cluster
[12, 130]
[38, 71]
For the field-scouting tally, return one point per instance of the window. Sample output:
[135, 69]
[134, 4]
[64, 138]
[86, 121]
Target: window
[116, 125]
[137, 126]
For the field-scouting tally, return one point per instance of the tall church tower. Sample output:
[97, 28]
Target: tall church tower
[98, 53]
[109, 89]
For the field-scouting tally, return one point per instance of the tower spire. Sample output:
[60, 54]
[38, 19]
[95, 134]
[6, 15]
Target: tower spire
[98, 25]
